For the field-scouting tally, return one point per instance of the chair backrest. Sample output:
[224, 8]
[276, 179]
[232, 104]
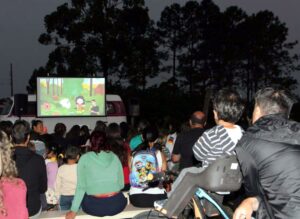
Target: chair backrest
[223, 175]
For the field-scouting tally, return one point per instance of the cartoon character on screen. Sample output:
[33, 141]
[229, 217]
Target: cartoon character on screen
[94, 108]
[80, 104]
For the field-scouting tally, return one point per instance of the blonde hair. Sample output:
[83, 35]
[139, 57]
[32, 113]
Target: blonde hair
[8, 169]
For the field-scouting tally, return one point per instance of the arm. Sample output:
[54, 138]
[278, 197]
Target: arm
[201, 148]
[80, 188]
[58, 183]
[164, 162]
[43, 177]
[246, 208]
[176, 151]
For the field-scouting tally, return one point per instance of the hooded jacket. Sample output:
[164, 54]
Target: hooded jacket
[269, 156]
[97, 173]
[32, 169]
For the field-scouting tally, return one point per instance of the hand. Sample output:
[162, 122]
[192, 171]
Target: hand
[70, 215]
[246, 208]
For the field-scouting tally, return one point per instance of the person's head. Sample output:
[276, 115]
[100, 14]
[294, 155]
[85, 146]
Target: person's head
[37, 126]
[74, 132]
[6, 126]
[7, 165]
[72, 153]
[228, 106]
[124, 129]
[150, 134]
[272, 101]
[93, 102]
[99, 142]
[113, 130]
[142, 125]
[60, 129]
[100, 126]
[51, 152]
[197, 119]
[84, 131]
[21, 132]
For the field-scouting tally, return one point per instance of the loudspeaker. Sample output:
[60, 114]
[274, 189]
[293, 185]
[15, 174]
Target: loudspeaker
[20, 104]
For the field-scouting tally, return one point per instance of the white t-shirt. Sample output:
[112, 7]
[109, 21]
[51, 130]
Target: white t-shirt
[66, 180]
[235, 133]
[156, 190]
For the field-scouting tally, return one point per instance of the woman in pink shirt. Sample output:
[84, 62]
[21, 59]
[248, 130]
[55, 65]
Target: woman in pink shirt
[12, 189]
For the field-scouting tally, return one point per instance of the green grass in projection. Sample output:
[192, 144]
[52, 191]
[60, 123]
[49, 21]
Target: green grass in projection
[72, 97]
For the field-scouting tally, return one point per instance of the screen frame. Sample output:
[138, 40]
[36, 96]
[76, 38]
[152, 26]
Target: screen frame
[38, 113]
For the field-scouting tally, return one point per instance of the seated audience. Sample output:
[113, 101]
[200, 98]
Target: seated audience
[99, 181]
[216, 142]
[66, 179]
[12, 189]
[137, 195]
[31, 167]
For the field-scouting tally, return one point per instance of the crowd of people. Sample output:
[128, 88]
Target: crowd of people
[91, 170]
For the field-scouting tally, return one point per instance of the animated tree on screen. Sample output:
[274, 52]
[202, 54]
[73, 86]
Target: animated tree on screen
[71, 96]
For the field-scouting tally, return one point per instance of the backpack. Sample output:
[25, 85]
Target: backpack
[143, 163]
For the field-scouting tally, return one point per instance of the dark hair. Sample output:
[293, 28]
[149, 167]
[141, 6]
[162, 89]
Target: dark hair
[35, 122]
[272, 101]
[117, 146]
[60, 129]
[229, 105]
[198, 120]
[142, 125]
[6, 126]
[100, 126]
[78, 98]
[98, 142]
[72, 152]
[113, 130]
[85, 132]
[74, 132]
[20, 131]
[124, 129]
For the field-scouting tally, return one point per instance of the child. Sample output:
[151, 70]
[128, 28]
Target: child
[66, 180]
[52, 168]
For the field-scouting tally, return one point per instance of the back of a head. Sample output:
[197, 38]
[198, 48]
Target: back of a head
[228, 105]
[6, 126]
[20, 132]
[113, 130]
[142, 125]
[99, 142]
[72, 153]
[273, 101]
[100, 126]
[150, 134]
[7, 165]
[198, 118]
[60, 129]
[74, 132]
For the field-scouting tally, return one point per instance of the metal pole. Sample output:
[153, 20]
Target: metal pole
[11, 80]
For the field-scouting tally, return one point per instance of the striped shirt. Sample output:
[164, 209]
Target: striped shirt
[216, 142]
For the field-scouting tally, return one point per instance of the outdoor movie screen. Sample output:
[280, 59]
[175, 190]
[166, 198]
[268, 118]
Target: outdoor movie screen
[58, 96]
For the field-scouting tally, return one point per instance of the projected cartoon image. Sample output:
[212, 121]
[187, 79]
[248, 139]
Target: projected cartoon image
[71, 96]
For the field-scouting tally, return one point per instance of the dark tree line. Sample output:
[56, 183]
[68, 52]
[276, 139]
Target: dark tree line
[199, 46]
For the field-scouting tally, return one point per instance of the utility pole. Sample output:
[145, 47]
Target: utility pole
[11, 80]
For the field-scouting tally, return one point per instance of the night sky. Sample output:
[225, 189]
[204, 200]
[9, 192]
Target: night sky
[21, 23]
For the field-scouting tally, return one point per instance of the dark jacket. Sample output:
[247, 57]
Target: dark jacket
[269, 155]
[32, 170]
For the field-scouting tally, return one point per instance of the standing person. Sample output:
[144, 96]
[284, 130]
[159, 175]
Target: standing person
[183, 147]
[12, 189]
[141, 165]
[269, 156]
[99, 181]
[218, 141]
[66, 179]
[31, 167]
